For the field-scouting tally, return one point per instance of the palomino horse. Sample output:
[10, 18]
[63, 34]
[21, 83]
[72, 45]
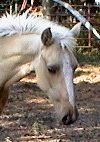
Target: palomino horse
[30, 43]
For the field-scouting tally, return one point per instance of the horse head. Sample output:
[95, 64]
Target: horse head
[54, 72]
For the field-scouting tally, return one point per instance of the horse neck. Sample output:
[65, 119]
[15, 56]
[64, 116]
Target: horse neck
[30, 44]
[20, 49]
[26, 46]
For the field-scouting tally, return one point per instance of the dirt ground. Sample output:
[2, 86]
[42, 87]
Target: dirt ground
[29, 115]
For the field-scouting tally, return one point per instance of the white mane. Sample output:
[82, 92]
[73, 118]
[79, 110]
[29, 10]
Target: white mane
[12, 24]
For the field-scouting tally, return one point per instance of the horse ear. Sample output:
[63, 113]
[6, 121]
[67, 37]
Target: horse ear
[46, 37]
[76, 29]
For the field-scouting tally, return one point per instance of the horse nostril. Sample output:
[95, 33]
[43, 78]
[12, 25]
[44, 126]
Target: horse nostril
[70, 117]
[66, 119]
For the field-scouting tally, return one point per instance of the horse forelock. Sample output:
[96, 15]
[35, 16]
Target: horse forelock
[13, 24]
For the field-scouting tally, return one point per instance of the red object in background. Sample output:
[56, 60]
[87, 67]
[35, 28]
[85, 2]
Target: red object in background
[23, 5]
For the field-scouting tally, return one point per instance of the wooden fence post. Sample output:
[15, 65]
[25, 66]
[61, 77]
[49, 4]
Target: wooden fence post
[10, 9]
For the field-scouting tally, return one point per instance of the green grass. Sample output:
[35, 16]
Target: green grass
[88, 56]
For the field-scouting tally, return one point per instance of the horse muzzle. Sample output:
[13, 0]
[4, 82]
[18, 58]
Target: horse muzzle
[70, 117]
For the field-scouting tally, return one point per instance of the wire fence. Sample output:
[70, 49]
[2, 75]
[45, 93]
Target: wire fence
[56, 12]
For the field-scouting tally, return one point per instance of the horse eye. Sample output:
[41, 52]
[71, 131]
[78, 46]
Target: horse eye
[52, 69]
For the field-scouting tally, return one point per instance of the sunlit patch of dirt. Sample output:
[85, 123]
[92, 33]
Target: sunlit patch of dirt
[29, 115]
[88, 73]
